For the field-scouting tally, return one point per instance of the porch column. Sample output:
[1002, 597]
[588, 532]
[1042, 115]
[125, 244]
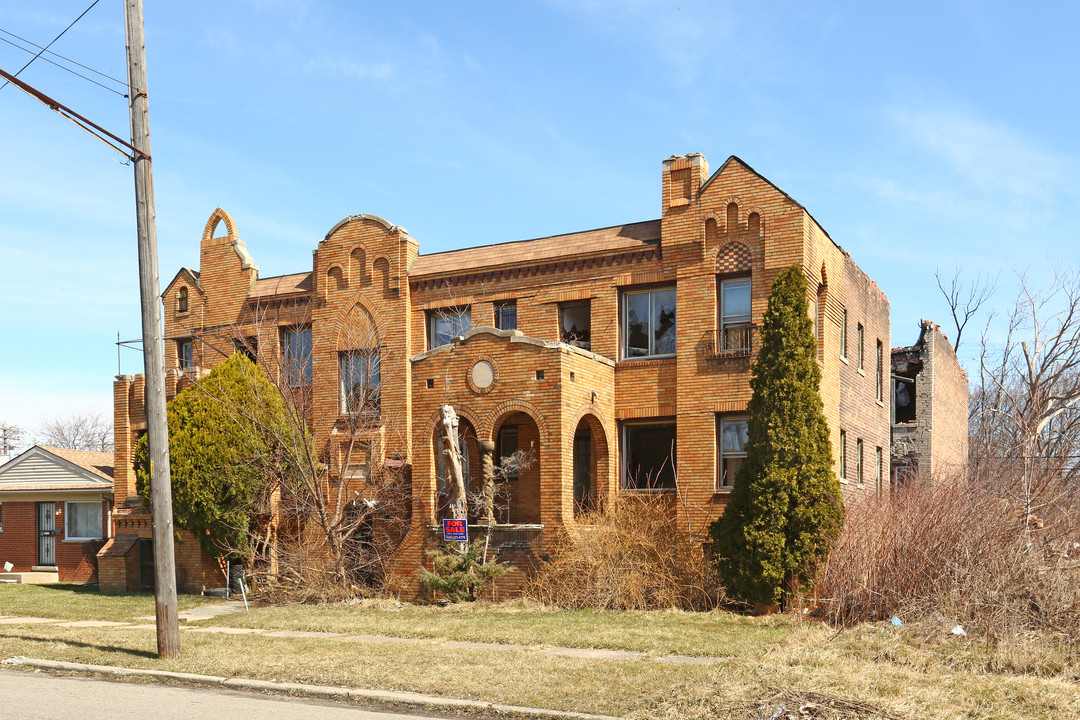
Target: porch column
[487, 459]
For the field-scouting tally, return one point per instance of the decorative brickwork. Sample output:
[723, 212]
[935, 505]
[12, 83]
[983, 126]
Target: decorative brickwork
[369, 287]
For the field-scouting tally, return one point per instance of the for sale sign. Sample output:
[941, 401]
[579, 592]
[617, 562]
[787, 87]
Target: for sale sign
[455, 531]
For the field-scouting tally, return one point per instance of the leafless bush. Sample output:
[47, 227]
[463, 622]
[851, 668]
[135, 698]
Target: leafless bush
[632, 553]
[963, 553]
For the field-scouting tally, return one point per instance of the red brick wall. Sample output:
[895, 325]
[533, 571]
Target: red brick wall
[75, 561]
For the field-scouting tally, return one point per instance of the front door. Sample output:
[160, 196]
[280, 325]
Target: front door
[46, 530]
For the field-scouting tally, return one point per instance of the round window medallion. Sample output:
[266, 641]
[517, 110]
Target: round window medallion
[483, 374]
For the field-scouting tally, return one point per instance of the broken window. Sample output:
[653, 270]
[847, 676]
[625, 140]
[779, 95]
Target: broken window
[359, 375]
[649, 323]
[296, 354]
[903, 400]
[649, 455]
[575, 324]
[446, 324]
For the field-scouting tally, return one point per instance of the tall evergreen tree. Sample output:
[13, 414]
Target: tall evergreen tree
[225, 437]
[786, 508]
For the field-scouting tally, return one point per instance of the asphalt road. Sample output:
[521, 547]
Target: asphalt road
[41, 696]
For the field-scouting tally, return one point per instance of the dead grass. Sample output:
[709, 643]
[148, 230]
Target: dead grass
[632, 553]
[871, 671]
[963, 555]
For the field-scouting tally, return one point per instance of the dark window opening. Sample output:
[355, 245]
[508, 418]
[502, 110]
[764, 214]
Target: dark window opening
[185, 354]
[649, 453]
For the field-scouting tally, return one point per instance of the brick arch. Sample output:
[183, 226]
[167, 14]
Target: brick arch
[216, 217]
[590, 414]
[356, 327]
[587, 409]
[336, 278]
[733, 257]
[509, 407]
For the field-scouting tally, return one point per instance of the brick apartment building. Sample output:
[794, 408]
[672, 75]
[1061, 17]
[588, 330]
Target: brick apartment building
[619, 358]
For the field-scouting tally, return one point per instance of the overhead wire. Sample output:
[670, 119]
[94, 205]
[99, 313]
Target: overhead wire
[62, 57]
[106, 87]
[44, 49]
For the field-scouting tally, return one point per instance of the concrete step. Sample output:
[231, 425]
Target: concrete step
[30, 578]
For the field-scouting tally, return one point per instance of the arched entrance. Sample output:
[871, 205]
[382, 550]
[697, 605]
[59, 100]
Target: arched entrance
[517, 470]
[589, 463]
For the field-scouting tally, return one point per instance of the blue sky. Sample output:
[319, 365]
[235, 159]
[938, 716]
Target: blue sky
[920, 135]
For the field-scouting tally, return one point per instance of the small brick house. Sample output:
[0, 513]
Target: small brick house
[55, 508]
[618, 357]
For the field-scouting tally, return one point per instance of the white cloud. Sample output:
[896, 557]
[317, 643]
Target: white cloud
[988, 155]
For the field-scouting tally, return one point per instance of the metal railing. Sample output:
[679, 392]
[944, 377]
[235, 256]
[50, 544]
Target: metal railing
[733, 342]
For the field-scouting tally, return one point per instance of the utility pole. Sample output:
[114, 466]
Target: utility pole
[168, 627]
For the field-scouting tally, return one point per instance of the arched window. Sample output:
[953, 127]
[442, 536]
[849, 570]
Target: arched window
[182, 300]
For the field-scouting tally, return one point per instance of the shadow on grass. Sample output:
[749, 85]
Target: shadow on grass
[94, 590]
[116, 649]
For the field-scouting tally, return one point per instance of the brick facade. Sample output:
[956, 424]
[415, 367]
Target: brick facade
[574, 399]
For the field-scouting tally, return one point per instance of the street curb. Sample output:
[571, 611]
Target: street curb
[384, 696]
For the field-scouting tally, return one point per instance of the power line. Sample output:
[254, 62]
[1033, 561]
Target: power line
[53, 41]
[56, 54]
[106, 87]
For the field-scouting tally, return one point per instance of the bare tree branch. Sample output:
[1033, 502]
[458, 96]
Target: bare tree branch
[78, 431]
[965, 300]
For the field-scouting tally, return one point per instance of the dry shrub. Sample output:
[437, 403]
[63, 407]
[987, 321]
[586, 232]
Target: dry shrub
[631, 554]
[961, 553]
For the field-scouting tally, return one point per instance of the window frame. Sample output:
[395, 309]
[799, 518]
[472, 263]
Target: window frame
[843, 454]
[584, 339]
[880, 455]
[859, 460]
[500, 324]
[726, 321]
[459, 319]
[371, 409]
[68, 515]
[624, 325]
[862, 353]
[185, 360]
[298, 370]
[671, 462]
[843, 334]
[182, 302]
[880, 376]
[722, 455]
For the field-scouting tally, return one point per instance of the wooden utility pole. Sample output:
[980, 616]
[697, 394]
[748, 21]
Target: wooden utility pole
[168, 628]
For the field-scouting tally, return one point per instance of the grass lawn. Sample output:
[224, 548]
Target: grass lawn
[917, 671]
[83, 602]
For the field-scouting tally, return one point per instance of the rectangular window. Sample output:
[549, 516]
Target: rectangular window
[82, 520]
[843, 334]
[649, 323]
[843, 455]
[880, 377]
[508, 446]
[445, 324]
[296, 355]
[185, 354]
[861, 353]
[880, 468]
[735, 315]
[575, 324]
[733, 434]
[506, 315]
[858, 460]
[648, 455]
[359, 374]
